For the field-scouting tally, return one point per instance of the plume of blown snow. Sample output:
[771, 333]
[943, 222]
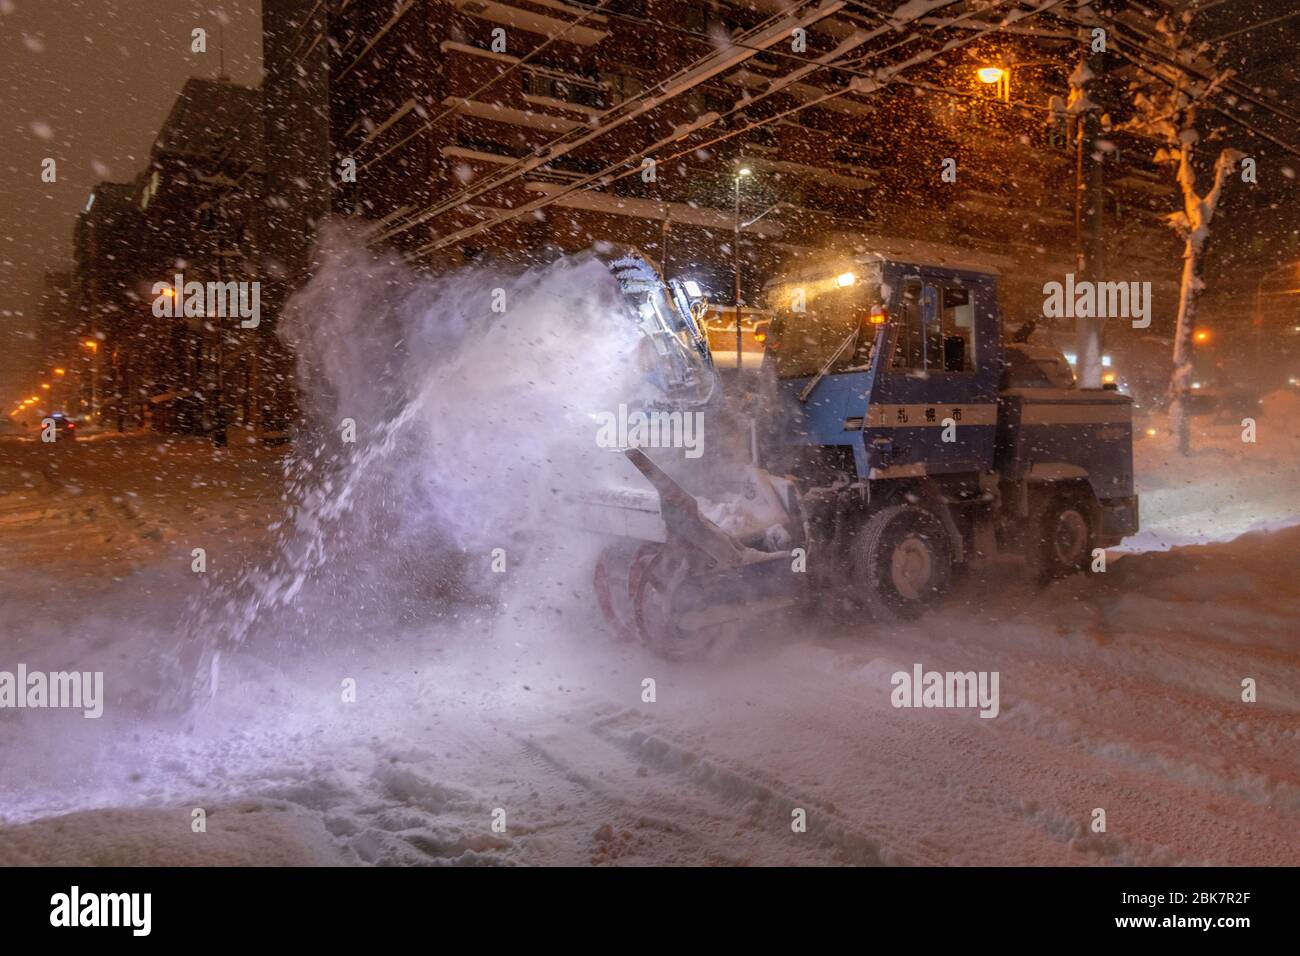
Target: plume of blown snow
[472, 396]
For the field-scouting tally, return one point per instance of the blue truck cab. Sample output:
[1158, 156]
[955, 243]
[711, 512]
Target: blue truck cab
[891, 391]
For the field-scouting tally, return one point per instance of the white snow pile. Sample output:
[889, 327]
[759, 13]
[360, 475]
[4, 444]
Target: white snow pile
[1227, 485]
[256, 833]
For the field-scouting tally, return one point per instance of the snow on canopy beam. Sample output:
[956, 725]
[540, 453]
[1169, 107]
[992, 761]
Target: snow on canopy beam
[655, 210]
[532, 22]
[831, 26]
[510, 115]
[804, 92]
[1012, 28]
[821, 174]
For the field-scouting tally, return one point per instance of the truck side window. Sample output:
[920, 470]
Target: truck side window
[908, 331]
[951, 346]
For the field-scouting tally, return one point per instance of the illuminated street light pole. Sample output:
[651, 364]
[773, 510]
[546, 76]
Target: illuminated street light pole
[1089, 194]
[742, 172]
[94, 376]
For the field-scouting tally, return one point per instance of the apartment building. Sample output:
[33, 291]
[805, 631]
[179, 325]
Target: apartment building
[509, 129]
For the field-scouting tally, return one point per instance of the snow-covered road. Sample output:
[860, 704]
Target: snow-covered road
[1120, 692]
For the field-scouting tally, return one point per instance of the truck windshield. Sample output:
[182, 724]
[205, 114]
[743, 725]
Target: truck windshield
[801, 343]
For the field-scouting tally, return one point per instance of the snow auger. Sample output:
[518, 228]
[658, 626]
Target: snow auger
[674, 578]
[682, 594]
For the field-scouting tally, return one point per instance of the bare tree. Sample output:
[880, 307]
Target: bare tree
[1166, 111]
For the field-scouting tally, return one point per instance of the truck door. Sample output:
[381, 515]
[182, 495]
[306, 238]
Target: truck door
[933, 406]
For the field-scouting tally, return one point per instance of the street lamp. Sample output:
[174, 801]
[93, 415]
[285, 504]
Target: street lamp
[94, 376]
[741, 173]
[1001, 76]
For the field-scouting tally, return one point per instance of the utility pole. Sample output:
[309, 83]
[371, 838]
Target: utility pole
[663, 253]
[742, 172]
[1089, 207]
[219, 437]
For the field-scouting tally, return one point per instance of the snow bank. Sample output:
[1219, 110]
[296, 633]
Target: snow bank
[245, 834]
[1226, 487]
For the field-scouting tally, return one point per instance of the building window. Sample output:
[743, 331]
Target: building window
[556, 86]
[707, 101]
[623, 86]
[631, 8]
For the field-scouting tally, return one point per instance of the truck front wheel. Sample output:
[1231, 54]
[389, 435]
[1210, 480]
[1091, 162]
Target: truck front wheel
[905, 561]
[1062, 537]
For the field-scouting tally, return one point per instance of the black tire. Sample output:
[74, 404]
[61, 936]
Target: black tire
[904, 562]
[1061, 536]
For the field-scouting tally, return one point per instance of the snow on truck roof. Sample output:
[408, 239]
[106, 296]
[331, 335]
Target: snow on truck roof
[911, 251]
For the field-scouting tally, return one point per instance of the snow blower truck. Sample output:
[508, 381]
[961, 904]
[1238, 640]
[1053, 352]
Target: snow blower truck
[892, 437]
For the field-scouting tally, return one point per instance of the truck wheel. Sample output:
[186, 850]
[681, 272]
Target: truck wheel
[1062, 538]
[905, 560]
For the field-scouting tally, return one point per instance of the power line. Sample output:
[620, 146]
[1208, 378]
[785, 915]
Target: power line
[1168, 63]
[1208, 5]
[1234, 86]
[514, 171]
[1255, 26]
[1250, 127]
[605, 173]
